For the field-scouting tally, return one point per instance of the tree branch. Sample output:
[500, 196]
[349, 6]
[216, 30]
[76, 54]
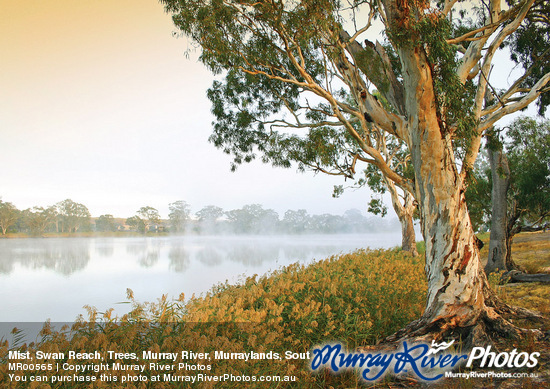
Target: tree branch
[533, 94]
[377, 69]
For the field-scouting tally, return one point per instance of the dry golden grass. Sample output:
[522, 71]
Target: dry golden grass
[531, 251]
[356, 299]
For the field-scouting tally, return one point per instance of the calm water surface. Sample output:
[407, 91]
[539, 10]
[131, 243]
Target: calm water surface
[54, 278]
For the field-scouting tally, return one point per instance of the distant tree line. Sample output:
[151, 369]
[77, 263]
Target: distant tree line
[70, 217]
[254, 219]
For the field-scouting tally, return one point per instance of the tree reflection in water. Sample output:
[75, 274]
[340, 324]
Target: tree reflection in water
[55, 277]
[63, 256]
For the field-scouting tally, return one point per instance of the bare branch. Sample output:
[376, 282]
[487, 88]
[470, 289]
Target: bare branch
[470, 36]
[377, 69]
[533, 94]
[366, 27]
[449, 4]
[493, 47]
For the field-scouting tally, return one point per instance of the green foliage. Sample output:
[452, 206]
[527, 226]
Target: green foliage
[376, 206]
[271, 59]
[478, 195]
[247, 34]
[244, 106]
[527, 145]
[528, 154]
[8, 216]
[72, 216]
[38, 219]
[210, 213]
[106, 223]
[209, 219]
[297, 222]
[529, 47]
[146, 218]
[136, 223]
[149, 213]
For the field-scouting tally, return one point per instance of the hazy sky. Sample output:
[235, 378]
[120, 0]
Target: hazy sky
[99, 104]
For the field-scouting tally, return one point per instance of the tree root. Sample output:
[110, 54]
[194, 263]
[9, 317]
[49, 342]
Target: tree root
[489, 325]
[470, 328]
[518, 276]
[503, 309]
[485, 327]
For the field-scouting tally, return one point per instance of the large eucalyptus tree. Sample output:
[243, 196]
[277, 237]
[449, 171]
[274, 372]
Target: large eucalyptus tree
[300, 76]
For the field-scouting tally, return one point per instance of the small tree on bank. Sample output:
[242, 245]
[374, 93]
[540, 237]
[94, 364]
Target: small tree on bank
[209, 219]
[136, 223]
[38, 219]
[106, 223]
[149, 216]
[8, 216]
[295, 64]
[71, 216]
[179, 215]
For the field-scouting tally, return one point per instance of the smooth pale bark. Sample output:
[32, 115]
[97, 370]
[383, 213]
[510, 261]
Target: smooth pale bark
[456, 281]
[498, 244]
[408, 235]
[404, 211]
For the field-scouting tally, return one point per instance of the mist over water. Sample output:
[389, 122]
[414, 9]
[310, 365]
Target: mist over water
[54, 278]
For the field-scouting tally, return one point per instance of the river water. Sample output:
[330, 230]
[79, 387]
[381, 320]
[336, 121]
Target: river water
[53, 278]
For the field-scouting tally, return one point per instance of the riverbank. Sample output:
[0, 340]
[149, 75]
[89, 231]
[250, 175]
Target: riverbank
[354, 299]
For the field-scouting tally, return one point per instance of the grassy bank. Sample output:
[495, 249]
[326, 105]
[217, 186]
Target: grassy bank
[531, 251]
[355, 299]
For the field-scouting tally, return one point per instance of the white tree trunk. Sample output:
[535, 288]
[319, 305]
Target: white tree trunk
[404, 208]
[456, 281]
[408, 235]
[498, 247]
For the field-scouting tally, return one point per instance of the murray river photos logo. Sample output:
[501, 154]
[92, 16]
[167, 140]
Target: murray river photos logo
[428, 363]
